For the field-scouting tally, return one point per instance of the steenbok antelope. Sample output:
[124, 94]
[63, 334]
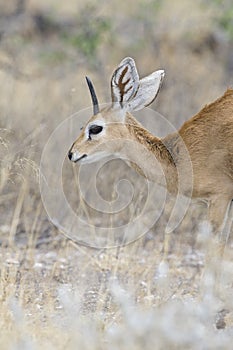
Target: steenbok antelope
[208, 137]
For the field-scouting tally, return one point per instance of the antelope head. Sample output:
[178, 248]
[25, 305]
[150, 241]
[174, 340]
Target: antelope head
[110, 123]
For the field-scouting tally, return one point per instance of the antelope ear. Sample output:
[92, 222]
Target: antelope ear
[147, 91]
[124, 82]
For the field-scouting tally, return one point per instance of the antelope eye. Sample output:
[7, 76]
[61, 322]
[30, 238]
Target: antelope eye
[95, 129]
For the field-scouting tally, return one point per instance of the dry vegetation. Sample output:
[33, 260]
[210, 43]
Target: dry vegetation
[55, 294]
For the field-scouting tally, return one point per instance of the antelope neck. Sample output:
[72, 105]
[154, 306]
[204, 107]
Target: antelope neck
[155, 148]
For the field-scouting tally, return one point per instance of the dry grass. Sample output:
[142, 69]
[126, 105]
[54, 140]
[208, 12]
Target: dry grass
[58, 295]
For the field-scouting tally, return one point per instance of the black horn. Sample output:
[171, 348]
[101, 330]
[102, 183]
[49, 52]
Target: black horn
[93, 96]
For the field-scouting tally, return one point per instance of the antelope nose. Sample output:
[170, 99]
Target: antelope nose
[70, 154]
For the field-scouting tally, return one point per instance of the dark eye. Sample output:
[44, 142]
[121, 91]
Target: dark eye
[95, 129]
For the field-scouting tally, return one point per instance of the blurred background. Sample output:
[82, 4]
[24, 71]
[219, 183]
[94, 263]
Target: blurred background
[47, 48]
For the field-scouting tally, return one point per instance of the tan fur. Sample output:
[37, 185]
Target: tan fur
[208, 137]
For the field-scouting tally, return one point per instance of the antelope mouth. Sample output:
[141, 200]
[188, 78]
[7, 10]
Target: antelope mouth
[82, 157]
[74, 156]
